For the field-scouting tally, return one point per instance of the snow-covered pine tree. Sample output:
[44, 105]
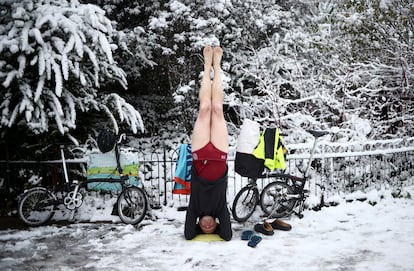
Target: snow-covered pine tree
[54, 57]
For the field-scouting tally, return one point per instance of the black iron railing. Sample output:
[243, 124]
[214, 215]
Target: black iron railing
[340, 171]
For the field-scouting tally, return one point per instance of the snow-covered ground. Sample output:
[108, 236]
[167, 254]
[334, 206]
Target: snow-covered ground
[351, 236]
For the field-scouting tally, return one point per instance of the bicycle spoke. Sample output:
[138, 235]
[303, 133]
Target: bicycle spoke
[36, 207]
[245, 203]
[276, 199]
[132, 205]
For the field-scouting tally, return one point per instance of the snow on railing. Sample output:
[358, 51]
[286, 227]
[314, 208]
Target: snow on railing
[355, 148]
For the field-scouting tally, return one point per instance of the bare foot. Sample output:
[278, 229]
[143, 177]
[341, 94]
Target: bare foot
[208, 57]
[218, 53]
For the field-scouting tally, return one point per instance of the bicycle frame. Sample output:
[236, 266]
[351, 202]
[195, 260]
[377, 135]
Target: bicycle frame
[300, 193]
[280, 197]
[65, 170]
[305, 174]
[72, 199]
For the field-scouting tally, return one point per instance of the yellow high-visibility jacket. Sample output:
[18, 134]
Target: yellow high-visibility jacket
[271, 149]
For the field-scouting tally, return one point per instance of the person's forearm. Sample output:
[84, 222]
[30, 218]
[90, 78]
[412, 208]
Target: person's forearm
[190, 227]
[224, 227]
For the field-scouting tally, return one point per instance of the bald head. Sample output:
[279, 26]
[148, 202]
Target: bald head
[208, 224]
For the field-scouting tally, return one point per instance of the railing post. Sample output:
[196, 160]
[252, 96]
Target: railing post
[7, 169]
[165, 176]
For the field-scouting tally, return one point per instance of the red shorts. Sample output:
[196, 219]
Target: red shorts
[209, 162]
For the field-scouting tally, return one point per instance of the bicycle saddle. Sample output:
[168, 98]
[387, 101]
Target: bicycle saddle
[317, 133]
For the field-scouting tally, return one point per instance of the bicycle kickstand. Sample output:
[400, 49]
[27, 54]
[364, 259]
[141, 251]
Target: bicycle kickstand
[72, 215]
[299, 213]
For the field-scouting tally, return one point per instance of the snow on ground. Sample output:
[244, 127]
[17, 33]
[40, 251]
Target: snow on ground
[351, 236]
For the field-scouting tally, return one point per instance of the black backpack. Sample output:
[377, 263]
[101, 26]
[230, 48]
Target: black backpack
[106, 140]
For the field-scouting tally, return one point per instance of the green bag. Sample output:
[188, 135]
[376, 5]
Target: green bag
[102, 168]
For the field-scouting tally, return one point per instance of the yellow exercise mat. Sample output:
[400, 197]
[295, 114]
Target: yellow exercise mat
[208, 237]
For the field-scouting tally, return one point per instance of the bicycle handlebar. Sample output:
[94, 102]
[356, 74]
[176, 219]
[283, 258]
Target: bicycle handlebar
[121, 138]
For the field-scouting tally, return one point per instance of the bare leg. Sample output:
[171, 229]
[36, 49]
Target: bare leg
[202, 126]
[218, 133]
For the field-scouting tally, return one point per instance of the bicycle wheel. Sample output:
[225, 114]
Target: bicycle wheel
[275, 201]
[132, 205]
[36, 207]
[244, 204]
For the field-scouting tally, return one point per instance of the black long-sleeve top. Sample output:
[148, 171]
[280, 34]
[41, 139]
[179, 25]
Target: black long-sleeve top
[208, 198]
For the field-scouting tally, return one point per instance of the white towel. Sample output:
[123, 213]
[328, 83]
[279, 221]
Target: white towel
[249, 136]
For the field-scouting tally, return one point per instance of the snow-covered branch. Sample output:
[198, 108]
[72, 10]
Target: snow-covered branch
[51, 50]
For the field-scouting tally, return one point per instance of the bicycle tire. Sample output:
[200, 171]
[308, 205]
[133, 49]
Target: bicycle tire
[36, 207]
[274, 202]
[244, 204]
[132, 205]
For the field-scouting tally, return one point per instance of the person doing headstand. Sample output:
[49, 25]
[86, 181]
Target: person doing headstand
[207, 210]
